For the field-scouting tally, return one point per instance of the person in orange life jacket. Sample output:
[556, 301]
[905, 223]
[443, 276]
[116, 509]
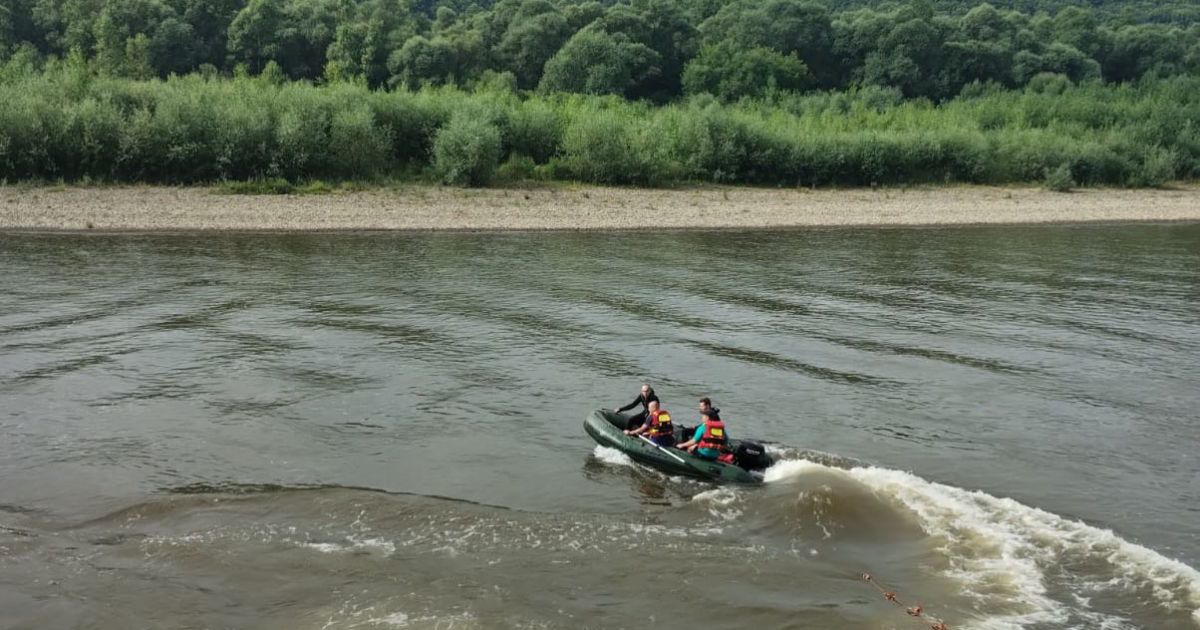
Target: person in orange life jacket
[710, 441]
[644, 399]
[657, 427]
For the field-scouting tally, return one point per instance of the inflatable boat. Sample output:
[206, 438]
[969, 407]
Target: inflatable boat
[608, 429]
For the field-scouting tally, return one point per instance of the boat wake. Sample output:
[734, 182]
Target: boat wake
[1036, 568]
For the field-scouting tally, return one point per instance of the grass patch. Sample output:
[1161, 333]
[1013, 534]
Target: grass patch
[280, 186]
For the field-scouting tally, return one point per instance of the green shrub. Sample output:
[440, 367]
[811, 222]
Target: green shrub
[357, 147]
[302, 137]
[1156, 170]
[517, 168]
[613, 146]
[466, 151]
[1049, 83]
[65, 122]
[535, 130]
[1058, 179]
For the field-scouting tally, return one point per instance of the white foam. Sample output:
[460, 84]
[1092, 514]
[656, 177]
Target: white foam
[397, 619]
[324, 547]
[352, 544]
[792, 468]
[1006, 544]
[721, 502]
[612, 456]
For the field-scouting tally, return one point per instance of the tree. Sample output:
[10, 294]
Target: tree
[258, 34]
[910, 57]
[536, 32]
[786, 26]
[421, 61]
[137, 62]
[1192, 59]
[1139, 49]
[1076, 27]
[895, 70]
[67, 24]
[365, 39]
[295, 35]
[597, 62]
[141, 38]
[172, 47]
[8, 37]
[969, 61]
[730, 72]
[661, 26]
[1058, 58]
[209, 21]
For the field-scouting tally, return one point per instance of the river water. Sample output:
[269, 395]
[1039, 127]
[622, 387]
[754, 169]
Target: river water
[385, 430]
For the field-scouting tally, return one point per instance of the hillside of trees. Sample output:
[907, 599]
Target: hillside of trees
[655, 49]
[781, 92]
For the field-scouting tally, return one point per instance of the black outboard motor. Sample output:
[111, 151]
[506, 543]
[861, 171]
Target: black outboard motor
[750, 456]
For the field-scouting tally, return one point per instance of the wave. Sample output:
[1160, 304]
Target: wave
[1038, 567]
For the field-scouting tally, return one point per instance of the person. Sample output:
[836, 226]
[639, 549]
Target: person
[657, 426]
[710, 440]
[644, 399]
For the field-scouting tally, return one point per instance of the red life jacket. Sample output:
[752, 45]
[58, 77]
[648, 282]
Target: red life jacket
[660, 424]
[713, 436]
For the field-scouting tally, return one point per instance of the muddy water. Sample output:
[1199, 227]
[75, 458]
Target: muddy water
[369, 430]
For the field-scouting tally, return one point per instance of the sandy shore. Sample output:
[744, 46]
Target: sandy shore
[591, 208]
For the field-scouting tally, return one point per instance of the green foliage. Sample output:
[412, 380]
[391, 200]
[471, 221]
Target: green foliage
[1058, 179]
[797, 27]
[517, 168]
[731, 73]
[69, 121]
[624, 145]
[537, 31]
[274, 186]
[596, 62]
[358, 147]
[534, 129]
[639, 49]
[466, 150]
[1049, 83]
[1156, 170]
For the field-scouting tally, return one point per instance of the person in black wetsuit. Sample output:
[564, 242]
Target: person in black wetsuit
[644, 398]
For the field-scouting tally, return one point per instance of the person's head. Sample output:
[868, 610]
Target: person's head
[652, 407]
[710, 414]
[646, 389]
[705, 404]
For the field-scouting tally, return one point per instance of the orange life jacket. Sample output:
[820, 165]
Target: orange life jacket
[660, 424]
[713, 436]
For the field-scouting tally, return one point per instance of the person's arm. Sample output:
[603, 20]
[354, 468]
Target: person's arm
[630, 405]
[638, 431]
[691, 444]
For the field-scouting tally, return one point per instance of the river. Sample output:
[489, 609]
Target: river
[384, 430]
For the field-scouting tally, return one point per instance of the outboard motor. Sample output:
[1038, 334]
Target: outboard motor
[750, 456]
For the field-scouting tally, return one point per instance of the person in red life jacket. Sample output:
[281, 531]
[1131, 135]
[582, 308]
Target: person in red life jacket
[710, 441]
[644, 399]
[657, 427]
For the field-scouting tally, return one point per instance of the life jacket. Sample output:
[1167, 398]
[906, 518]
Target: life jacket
[660, 424]
[713, 436]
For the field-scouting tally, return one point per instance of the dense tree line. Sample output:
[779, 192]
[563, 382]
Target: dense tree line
[659, 50]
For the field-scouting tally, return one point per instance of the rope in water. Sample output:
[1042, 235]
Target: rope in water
[913, 611]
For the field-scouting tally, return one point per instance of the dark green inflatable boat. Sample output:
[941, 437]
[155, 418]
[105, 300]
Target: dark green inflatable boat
[608, 429]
